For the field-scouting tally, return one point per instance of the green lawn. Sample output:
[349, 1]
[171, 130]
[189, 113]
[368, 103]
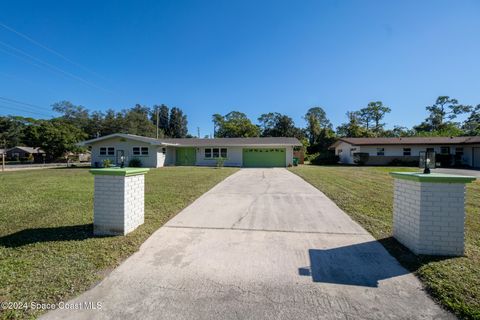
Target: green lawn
[47, 250]
[366, 194]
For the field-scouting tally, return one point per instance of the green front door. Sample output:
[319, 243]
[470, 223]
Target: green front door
[264, 157]
[185, 157]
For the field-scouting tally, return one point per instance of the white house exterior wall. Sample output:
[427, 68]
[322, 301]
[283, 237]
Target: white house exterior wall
[235, 155]
[149, 160]
[346, 155]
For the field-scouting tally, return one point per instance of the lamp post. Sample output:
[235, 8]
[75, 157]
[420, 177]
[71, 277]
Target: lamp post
[122, 163]
[426, 170]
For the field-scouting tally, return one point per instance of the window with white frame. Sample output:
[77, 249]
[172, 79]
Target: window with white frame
[140, 151]
[208, 153]
[380, 151]
[104, 151]
[407, 151]
[223, 152]
[216, 153]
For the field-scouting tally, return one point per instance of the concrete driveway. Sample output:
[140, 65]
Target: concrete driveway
[263, 244]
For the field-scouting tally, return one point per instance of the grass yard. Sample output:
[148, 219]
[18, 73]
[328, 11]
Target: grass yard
[47, 250]
[366, 194]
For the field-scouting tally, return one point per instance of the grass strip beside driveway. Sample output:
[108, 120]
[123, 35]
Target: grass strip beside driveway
[366, 194]
[48, 252]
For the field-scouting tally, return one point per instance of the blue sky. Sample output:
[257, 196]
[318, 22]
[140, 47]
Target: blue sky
[253, 56]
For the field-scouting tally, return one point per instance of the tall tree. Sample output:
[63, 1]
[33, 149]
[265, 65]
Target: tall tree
[136, 121]
[443, 110]
[77, 116]
[177, 126]
[472, 124]
[377, 112]
[316, 121]
[55, 137]
[274, 124]
[352, 128]
[233, 125]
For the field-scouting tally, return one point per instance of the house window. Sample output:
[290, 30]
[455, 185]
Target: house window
[215, 152]
[380, 151]
[164, 150]
[223, 152]
[136, 151]
[445, 150]
[140, 151]
[107, 151]
[145, 151]
[208, 153]
[459, 152]
[407, 151]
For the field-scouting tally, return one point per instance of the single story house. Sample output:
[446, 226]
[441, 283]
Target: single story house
[23, 153]
[154, 153]
[382, 151]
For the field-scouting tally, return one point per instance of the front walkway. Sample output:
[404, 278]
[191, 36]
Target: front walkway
[263, 244]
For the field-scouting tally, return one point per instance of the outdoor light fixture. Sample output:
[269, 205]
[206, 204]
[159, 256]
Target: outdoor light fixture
[426, 170]
[122, 163]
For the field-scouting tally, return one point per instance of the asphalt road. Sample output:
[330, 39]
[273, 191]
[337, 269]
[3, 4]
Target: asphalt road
[263, 244]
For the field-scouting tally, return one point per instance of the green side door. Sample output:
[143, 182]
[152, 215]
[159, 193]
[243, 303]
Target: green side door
[185, 157]
[264, 157]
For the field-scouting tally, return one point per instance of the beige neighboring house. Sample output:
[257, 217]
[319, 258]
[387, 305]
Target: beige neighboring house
[21, 152]
[154, 153]
[382, 151]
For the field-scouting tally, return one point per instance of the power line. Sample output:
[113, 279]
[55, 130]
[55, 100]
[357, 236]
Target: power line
[46, 64]
[58, 54]
[22, 103]
[24, 110]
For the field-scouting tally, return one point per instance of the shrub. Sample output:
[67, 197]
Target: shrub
[403, 163]
[220, 162]
[325, 158]
[135, 162]
[107, 163]
[360, 158]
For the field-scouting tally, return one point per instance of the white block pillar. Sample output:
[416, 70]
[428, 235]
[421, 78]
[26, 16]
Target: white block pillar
[119, 200]
[429, 212]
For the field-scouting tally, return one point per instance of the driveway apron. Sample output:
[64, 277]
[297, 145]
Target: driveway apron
[262, 244]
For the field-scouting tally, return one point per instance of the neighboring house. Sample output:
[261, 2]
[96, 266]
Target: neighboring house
[383, 151]
[153, 153]
[23, 153]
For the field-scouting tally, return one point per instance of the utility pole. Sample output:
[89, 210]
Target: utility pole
[157, 111]
[198, 132]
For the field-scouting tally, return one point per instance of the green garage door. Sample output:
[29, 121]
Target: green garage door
[185, 157]
[264, 157]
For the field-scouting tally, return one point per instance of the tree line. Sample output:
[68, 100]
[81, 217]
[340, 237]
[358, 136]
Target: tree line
[76, 123]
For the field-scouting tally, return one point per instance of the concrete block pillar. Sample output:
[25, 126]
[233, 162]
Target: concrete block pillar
[429, 212]
[119, 200]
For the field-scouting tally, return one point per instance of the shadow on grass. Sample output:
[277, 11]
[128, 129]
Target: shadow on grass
[408, 259]
[36, 235]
